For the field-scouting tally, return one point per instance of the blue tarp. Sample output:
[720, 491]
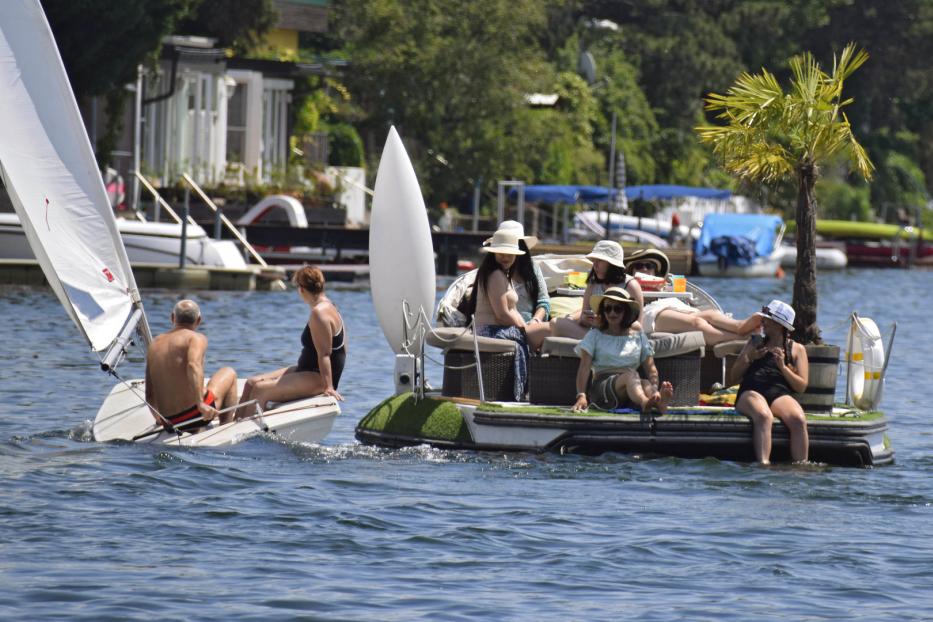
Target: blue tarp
[736, 238]
[602, 194]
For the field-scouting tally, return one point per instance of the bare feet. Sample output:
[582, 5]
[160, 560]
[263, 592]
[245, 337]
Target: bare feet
[650, 403]
[666, 394]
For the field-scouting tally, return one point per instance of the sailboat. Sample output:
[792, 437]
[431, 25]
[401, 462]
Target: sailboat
[48, 169]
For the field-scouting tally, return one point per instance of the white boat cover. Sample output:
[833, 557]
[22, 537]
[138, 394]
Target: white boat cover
[50, 173]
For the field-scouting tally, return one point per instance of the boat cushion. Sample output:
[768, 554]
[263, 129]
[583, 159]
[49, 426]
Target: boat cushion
[461, 338]
[665, 344]
[729, 348]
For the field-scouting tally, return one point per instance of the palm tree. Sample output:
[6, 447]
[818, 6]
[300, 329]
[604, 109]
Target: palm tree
[768, 135]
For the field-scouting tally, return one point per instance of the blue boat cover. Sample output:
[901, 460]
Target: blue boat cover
[602, 194]
[736, 238]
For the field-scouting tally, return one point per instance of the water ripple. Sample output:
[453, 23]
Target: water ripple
[343, 531]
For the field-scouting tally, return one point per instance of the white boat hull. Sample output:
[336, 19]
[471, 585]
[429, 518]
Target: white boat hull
[124, 416]
[145, 243]
[761, 267]
[826, 258]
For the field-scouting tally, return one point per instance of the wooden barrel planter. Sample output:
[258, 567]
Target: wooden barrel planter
[824, 369]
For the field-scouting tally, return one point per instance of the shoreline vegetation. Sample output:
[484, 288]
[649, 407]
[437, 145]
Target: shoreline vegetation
[466, 99]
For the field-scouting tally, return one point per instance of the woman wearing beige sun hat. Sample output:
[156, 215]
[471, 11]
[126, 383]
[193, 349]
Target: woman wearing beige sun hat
[533, 301]
[495, 299]
[608, 270]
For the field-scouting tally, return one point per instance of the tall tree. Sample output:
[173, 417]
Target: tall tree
[453, 77]
[102, 42]
[769, 134]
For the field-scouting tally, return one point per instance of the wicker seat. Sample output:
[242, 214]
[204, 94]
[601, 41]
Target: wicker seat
[552, 379]
[498, 375]
[552, 376]
[683, 371]
[497, 358]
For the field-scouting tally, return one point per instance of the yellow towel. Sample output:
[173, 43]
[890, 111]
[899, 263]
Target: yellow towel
[722, 397]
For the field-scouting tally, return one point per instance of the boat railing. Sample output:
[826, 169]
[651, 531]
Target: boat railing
[160, 203]
[221, 219]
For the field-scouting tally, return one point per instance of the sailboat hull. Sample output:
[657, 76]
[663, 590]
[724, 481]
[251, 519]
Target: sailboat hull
[125, 417]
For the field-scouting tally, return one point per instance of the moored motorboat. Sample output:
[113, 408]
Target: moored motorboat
[149, 243]
[739, 245]
[474, 407]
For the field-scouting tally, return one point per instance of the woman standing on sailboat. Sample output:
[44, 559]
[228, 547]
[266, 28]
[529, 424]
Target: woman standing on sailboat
[323, 352]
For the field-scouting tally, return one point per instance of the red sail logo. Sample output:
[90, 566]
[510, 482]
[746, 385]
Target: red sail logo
[108, 274]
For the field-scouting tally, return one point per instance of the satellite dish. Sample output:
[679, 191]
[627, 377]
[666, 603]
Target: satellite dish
[587, 67]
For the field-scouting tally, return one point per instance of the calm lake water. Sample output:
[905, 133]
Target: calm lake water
[339, 531]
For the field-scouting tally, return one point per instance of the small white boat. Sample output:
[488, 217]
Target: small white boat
[151, 243]
[739, 245]
[49, 172]
[123, 416]
[827, 257]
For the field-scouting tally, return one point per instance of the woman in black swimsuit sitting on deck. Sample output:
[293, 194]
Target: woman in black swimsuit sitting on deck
[772, 368]
[323, 352]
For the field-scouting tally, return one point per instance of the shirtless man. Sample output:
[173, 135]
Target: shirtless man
[175, 375]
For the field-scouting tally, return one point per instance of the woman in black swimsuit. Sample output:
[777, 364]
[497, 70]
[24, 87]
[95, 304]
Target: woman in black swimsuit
[772, 369]
[323, 352]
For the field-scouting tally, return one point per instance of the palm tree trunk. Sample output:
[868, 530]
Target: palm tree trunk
[804, 303]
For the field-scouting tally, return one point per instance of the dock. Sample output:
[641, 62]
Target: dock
[161, 276]
[343, 245]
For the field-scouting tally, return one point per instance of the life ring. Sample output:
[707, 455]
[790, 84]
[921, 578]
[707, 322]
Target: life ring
[866, 357]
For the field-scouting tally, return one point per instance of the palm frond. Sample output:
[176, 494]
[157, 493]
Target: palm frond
[766, 133]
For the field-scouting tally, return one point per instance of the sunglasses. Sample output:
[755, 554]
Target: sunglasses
[643, 265]
[607, 309]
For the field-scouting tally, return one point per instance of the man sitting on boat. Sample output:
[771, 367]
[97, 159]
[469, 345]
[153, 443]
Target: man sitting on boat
[672, 315]
[175, 388]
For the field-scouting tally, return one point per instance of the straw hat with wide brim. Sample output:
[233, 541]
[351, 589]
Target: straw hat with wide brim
[662, 265]
[502, 242]
[608, 251]
[619, 295]
[780, 312]
[513, 226]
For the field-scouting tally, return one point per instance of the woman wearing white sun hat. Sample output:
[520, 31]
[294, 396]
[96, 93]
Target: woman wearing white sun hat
[533, 301]
[608, 270]
[772, 367]
[495, 300]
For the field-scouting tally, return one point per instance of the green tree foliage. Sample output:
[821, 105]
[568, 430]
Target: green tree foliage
[102, 42]
[345, 145]
[238, 24]
[768, 134]
[839, 200]
[451, 75]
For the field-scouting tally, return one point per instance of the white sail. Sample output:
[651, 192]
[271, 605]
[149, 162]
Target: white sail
[401, 252]
[50, 173]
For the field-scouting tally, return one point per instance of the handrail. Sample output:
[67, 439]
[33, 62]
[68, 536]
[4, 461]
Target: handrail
[354, 183]
[162, 202]
[236, 233]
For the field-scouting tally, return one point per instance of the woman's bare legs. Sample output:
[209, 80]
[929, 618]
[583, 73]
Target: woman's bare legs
[730, 325]
[568, 327]
[281, 385]
[753, 405]
[672, 321]
[789, 411]
[536, 333]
